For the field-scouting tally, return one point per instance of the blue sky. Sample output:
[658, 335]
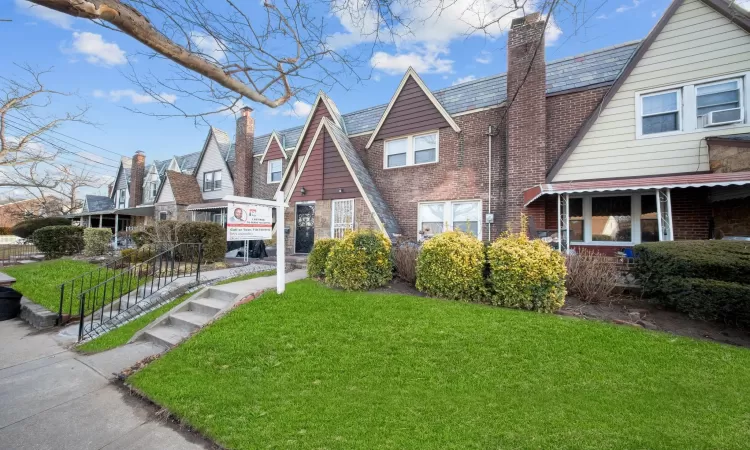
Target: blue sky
[93, 62]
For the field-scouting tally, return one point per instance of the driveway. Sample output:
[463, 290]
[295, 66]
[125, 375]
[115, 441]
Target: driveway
[52, 398]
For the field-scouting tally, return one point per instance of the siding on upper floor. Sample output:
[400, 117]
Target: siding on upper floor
[212, 160]
[166, 195]
[320, 112]
[312, 174]
[412, 112]
[696, 44]
[336, 176]
[122, 183]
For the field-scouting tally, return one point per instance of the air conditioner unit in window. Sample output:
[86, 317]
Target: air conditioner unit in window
[722, 117]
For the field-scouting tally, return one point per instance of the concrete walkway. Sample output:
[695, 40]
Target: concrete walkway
[53, 398]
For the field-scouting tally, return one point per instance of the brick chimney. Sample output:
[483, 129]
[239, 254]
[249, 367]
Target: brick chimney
[243, 153]
[137, 172]
[527, 116]
[110, 188]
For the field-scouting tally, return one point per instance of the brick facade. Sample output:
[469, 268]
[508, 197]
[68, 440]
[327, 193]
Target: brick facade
[137, 172]
[691, 213]
[244, 161]
[261, 187]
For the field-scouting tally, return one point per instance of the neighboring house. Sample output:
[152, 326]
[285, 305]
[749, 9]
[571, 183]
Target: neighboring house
[638, 142]
[177, 192]
[14, 211]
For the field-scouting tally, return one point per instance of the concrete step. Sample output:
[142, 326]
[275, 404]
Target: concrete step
[188, 320]
[166, 335]
[207, 306]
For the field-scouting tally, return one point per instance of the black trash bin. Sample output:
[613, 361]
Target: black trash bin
[10, 303]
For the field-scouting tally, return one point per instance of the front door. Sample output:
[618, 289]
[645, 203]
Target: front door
[305, 232]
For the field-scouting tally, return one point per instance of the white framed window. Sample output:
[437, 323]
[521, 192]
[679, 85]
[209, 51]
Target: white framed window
[697, 106]
[436, 217]
[212, 181]
[342, 217]
[154, 189]
[274, 171]
[411, 150]
[719, 103]
[121, 198]
[613, 219]
[661, 112]
[163, 215]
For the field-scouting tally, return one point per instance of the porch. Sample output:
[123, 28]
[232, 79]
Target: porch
[121, 221]
[612, 215]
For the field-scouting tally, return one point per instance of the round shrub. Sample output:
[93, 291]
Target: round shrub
[526, 274]
[316, 260]
[96, 241]
[212, 235]
[451, 265]
[26, 228]
[359, 261]
[58, 240]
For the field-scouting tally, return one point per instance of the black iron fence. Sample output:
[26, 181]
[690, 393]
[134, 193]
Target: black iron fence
[12, 253]
[100, 304]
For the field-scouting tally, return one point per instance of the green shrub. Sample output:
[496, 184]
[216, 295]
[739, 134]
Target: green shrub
[26, 228]
[708, 299]
[58, 240]
[96, 241]
[316, 260]
[714, 260]
[526, 273]
[136, 255]
[141, 238]
[451, 265]
[359, 261]
[212, 235]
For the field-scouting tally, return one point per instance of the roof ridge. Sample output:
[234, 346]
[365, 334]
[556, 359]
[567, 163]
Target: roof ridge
[592, 52]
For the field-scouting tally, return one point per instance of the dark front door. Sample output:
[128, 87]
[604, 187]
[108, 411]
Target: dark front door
[305, 233]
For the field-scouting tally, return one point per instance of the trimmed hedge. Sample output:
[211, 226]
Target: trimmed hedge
[708, 299]
[359, 261]
[27, 228]
[451, 265]
[525, 273]
[316, 260]
[212, 235]
[59, 240]
[96, 241]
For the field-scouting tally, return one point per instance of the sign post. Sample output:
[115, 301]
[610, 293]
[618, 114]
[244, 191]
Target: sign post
[250, 219]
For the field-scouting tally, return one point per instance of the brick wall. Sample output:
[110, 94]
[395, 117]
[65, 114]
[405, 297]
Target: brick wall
[691, 213]
[731, 218]
[461, 172]
[565, 115]
[243, 154]
[261, 187]
[137, 172]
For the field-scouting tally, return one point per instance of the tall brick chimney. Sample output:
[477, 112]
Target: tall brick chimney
[137, 172]
[243, 153]
[527, 116]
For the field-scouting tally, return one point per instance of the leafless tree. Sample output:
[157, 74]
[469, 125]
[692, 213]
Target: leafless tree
[30, 162]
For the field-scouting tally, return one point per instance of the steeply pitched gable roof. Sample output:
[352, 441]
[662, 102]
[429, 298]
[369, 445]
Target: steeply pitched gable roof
[223, 143]
[185, 189]
[188, 162]
[734, 14]
[274, 138]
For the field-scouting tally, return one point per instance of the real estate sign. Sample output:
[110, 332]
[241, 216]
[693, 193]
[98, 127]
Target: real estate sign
[249, 222]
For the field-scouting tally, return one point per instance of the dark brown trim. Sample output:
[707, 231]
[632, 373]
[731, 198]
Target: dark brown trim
[729, 142]
[645, 44]
[581, 89]
[735, 15]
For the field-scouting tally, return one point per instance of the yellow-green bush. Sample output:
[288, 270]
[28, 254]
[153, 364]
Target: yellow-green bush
[316, 260]
[136, 255]
[96, 241]
[526, 273]
[451, 265]
[359, 261]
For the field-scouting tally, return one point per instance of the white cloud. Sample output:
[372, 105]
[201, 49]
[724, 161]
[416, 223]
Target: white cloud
[743, 3]
[56, 18]
[97, 50]
[624, 8]
[655, 13]
[552, 32]
[208, 45]
[423, 60]
[484, 57]
[136, 98]
[465, 79]
[298, 109]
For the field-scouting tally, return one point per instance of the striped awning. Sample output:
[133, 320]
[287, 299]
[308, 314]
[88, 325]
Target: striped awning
[202, 206]
[633, 184]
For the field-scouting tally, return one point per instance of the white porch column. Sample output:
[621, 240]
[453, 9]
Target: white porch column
[117, 227]
[664, 214]
[100, 220]
[563, 223]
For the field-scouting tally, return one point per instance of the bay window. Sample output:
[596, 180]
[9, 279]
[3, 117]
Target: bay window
[436, 217]
[618, 219]
[411, 150]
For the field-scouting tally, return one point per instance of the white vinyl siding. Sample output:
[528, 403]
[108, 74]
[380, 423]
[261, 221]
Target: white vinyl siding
[166, 195]
[213, 161]
[697, 44]
[121, 184]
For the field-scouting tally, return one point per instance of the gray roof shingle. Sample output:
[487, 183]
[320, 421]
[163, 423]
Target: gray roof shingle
[99, 203]
[734, 137]
[188, 162]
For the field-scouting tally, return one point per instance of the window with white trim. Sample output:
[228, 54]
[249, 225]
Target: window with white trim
[693, 107]
[121, 198]
[342, 219]
[212, 181]
[619, 219]
[274, 171]
[436, 217]
[163, 215]
[411, 150]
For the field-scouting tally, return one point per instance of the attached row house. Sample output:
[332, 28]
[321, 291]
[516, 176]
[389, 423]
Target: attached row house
[643, 141]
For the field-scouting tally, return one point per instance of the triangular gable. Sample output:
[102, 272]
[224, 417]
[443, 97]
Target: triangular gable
[274, 148]
[114, 184]
[165, 190]
[732, 13]
[356, 170]
[211, 135]
[415, 96]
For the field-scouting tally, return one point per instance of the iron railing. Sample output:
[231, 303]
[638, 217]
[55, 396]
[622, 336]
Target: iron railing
[102, 304]
[12, 253]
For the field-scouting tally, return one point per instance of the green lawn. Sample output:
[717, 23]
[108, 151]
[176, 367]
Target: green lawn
[247, 276]
[318, 368]
[120, 336]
